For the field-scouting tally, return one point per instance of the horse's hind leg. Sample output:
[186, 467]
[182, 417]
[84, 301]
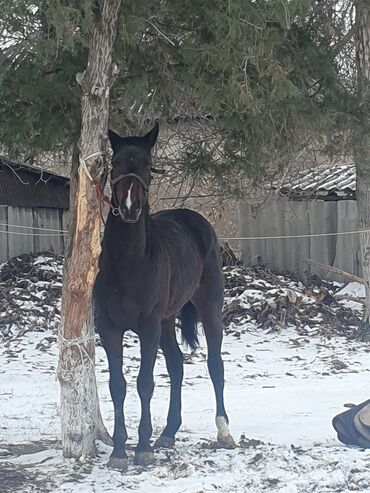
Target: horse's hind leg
[174, 363]
[210, 315]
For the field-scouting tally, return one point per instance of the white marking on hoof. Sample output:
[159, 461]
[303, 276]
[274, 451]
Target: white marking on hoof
[223, 436]
[222, 426]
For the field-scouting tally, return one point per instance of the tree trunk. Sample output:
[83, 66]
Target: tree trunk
[361, 147]
[81, 422]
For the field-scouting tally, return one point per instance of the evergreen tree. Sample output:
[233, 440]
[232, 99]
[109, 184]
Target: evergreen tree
[43, 46]
[243, 70]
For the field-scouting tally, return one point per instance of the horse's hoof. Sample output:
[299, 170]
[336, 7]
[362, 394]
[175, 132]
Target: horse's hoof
[164, 442]
[225, 441]
[119, 463]
[144, 458]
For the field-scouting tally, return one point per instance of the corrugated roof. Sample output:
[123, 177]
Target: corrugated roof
[337, 180]
[27, 186]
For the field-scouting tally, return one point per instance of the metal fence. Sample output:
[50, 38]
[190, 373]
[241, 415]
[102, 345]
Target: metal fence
[283, 217]
[31, 230]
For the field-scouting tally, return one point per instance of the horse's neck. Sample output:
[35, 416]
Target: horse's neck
[126, 242]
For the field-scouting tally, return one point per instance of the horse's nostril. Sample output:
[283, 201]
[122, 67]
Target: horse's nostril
[132, 213]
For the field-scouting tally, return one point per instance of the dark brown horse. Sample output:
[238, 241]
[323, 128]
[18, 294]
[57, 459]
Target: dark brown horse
[154, 268]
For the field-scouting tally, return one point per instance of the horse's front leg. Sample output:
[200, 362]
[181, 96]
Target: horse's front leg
[112, 343]
[149, 341]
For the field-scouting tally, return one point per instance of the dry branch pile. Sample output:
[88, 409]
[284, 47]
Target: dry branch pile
[228, 256]
[30, 294]
[274, 301]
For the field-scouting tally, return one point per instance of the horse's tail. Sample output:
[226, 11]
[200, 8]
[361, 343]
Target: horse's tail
[188, 319]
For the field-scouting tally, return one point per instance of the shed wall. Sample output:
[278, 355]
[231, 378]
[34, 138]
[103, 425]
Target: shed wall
[15, 239]
[282, 217]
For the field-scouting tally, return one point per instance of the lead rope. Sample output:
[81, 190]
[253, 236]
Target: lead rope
[102, 198]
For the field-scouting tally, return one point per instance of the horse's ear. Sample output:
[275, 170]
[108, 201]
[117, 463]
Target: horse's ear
[115, 140]
[151, 137]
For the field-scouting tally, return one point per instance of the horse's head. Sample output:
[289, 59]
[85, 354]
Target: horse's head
[130, 176]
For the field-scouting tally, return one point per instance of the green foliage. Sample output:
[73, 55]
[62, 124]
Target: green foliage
[44, 45]
[263, 78]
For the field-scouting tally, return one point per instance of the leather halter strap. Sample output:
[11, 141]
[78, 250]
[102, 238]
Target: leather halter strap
[115, 210]
[128, 175]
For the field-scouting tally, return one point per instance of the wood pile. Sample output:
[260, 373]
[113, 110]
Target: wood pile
[272, 302]
[30, 294]
[31, 285]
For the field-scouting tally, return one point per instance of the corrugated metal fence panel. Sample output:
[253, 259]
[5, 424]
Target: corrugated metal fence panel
[251, 224]
[65, 227]
[49, 219]
[282, 217]
[20, 243]
[323, 219]
[4, 247]
[291, 219]
[16, 240]
[278, 218]
[348, 252]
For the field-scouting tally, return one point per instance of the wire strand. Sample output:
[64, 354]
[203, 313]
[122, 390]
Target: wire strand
[32, 234]
[339, 233]
[33, 227]
[64, 232]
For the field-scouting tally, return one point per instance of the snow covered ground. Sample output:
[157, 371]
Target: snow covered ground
[282, 390]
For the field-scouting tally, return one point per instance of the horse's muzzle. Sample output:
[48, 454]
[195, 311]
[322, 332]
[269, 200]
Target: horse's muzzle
[130, 215]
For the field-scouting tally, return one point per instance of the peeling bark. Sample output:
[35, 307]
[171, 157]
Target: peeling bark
[361, 147]
[81, 421]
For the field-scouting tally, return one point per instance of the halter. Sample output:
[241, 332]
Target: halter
[115, 210]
